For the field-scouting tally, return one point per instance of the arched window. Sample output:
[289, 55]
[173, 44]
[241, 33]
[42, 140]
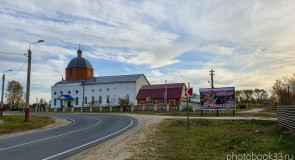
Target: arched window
[77, 101]
[90, 72]
[92, 100]
[61, 92]
[71, 71]
[100, 100]
[55, 101]
[77, 91]
[85, 101]
[108, 99]
[92, 90]
[54, 93]
[69, 92]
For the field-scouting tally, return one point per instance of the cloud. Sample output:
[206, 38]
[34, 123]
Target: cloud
[248, 43]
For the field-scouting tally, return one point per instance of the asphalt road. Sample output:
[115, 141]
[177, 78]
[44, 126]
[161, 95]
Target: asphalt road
[87, 130]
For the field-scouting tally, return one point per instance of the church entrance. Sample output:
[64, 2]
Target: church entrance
[69, 104]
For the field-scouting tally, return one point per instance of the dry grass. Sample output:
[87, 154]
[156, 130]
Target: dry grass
[214, 139]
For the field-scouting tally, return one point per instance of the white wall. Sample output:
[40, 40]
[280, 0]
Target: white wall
[116, 90]
[72, 87]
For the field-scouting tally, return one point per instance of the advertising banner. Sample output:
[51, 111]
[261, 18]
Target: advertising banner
[218, 98]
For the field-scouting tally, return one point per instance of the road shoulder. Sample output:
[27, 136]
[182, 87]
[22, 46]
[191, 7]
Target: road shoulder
[58, 123]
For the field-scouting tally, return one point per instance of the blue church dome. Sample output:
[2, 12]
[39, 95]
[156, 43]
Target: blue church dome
[79, 61]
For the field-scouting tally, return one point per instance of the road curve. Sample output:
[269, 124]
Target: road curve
[87, 130]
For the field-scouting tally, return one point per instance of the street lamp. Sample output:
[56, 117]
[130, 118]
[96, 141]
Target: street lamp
[28, 80]
[3, 80]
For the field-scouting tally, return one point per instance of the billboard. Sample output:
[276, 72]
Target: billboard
[218, 98]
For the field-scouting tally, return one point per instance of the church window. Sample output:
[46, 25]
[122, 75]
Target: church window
[100, 100]
[99, 89]
[108, 99]
[108, 89]
[92, 100]
[85, 101]
[69, 92]
[55, 101]
[77, 101]
[92, 90]
[54, 93]
[77, 91]
[61, 103]
[61, 92]
[71, 71]
[90, 72]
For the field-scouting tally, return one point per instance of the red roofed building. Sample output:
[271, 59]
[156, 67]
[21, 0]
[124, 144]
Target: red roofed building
[175, 92]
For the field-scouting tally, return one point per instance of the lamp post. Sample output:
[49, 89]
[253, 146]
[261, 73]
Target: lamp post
[28, 81]
[82, 97]
[3, 80]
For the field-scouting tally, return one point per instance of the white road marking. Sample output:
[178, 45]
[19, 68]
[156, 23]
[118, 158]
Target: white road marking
[90, 142]
[39, 140]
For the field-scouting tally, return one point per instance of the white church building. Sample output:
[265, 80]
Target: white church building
[97, 91]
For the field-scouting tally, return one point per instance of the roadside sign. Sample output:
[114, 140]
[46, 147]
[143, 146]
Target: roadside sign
[188, 92]
[218, 98]
[148, 98]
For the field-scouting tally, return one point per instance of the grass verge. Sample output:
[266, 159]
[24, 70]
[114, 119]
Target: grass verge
[215, 139]
[15, 123]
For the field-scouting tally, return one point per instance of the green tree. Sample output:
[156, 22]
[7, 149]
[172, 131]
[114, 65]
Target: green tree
[42, 101]
[15, 94]
[124, 102]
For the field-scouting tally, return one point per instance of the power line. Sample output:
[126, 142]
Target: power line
[12, 53]
[18, 69]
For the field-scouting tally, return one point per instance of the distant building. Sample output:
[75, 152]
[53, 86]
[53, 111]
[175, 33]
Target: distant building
[81, 84]
[175, 93]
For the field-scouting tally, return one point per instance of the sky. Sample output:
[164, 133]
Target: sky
[249, 43]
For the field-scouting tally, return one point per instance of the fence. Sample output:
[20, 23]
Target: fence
[286, 117]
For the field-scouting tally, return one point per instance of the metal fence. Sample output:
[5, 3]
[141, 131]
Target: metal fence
[286, 117]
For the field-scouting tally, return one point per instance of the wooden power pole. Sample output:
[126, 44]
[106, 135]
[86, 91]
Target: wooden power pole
[212, 74]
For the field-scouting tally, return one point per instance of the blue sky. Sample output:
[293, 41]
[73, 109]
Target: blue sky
[249, 43]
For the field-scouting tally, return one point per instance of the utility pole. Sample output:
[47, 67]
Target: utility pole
[29, 80]
[3, 81]
[212, 74]
[83, 97]
[289, 95]
[187, 113]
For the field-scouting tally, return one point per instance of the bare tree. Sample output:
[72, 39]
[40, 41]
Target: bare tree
[280, 90]
[42, 101]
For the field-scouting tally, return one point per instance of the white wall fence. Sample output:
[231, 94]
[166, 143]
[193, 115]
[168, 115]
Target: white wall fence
[286, 117]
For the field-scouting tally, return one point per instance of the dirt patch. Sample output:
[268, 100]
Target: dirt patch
[123, 146]
[58, 123]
